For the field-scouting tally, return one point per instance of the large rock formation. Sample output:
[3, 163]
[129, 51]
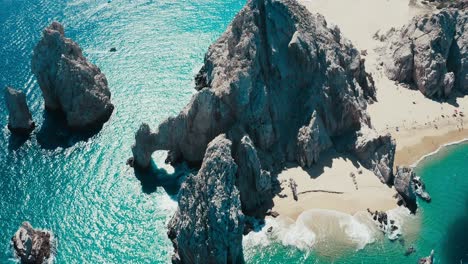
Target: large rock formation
[69, 82]
[19, 119]
[431, 53]
[268, 73]
[32, 246]
[282, 86]
[208, 225]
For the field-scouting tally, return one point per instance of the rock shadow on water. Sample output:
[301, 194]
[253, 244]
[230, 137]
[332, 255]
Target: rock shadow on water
[16, 141]
[153, 177]
[55, 132]
[455, 245]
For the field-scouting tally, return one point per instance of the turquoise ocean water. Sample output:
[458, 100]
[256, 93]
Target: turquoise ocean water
[79, 186]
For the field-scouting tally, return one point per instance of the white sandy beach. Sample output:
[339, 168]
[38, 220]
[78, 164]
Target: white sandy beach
[418, 124]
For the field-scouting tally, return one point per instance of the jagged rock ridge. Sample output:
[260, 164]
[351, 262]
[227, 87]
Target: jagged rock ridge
[20, 119]
[282, 86]
[208, 225]
[431, 52]
[69, 82]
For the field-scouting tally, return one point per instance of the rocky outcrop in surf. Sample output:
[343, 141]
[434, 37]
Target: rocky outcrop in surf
[208, 225]
[69, 82]
[431, 52]
[33, 246]
[19, 119]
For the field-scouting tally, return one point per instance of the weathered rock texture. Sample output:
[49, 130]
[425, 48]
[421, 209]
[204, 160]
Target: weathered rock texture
[376, 152]
[282, 86]
[32, 246]
[208, 226]
[403, 184]
[275, 66]
[69, 82]
[19, 119]
[431, 53]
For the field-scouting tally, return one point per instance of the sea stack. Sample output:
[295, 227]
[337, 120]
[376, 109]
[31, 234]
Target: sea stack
[431, 52]
[208, 225]
[32, 246]
[69, 82]
[19, 119]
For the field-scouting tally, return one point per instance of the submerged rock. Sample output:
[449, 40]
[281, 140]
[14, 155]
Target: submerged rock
[404, 185]
[69, 82]
[19, 119]
[208, 225]
[431, 53]
[427, 260]
[32, 246]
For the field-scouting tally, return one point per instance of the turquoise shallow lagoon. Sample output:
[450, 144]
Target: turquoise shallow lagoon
[79, 186]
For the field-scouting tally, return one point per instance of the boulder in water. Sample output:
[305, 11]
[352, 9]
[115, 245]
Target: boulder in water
[32, 246]
[20, 119]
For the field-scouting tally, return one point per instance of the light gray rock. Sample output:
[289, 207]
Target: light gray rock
[33, 246]
[376, 152]
[420, 189]
[403, 183]
[69, 82]
[311, 141]
[19, 119]
[430, 52]
[208, 225]
[427, 260]
[275, 66]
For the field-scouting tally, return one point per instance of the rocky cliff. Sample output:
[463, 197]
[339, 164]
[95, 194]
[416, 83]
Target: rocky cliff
[33, 246]
[69, 82]
[19, 119]
[208, 226]
[431, 52]
[282, 86]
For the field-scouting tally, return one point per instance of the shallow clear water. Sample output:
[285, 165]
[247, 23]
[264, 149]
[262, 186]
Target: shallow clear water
[79, 186]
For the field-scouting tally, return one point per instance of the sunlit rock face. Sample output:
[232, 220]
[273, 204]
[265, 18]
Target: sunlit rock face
[69, 82]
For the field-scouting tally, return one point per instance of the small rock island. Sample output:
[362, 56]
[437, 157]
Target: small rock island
[20, 119]
[69, 82]
[33, 246]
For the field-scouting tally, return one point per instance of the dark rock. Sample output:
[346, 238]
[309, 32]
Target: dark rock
[69, 82]
[20, 119]
[208, 225]
[113, 50]
[420, 189]
[293, 185]
[403, 185]
[33, 246]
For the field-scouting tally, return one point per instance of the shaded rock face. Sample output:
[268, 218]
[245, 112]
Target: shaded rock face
[375, 152]
[311, 141]
[268, 73]
[20, 119]
[32, 246]
[403, 184]
[69, 82]
[208, 225]
[431, 52]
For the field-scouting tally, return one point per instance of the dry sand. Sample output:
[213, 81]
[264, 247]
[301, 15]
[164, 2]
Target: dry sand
[418, 124]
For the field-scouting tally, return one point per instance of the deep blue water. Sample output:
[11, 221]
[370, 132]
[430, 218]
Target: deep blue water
[79, 186]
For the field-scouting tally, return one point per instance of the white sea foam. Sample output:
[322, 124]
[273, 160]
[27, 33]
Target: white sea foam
[314, 228]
